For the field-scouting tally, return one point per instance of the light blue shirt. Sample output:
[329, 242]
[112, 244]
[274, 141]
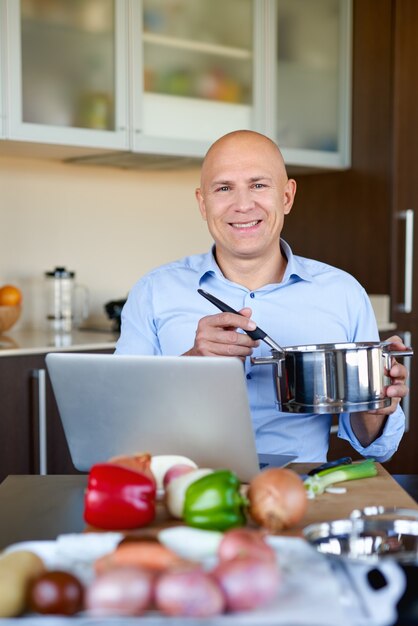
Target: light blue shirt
[314, 303]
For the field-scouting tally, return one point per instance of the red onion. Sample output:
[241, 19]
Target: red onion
[120, 591]
[239, 542]
[191, 592]
[247, 582]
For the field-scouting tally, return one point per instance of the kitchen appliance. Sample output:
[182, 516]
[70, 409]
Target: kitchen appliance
[326, 378]
[67, 301]
[114, 311]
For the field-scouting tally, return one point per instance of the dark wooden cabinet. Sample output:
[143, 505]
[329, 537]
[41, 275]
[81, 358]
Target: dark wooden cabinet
[353, 219]
[22, 449]
[16, 418]
[405, 199]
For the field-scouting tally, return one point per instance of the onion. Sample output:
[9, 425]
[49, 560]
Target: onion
[278, 499]
[175, 492]
[120, 591]
[174, 471]
[160, 463]
[240, 542]
[189, 592]
[247, 582]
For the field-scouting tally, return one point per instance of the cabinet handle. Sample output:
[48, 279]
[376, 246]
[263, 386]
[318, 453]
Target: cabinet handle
[408, 216]
[40, 376]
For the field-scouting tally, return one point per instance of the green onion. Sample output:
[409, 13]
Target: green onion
[317, 484]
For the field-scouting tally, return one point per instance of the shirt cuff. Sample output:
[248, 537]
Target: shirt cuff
[382, 448]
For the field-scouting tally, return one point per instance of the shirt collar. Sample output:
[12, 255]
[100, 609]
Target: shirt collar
[209, 264]
[294, 268]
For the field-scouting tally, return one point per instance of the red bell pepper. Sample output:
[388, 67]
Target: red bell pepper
[118, 497]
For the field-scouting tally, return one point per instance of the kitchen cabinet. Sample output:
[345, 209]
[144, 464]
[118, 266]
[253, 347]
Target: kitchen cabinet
[308, 86]
[404, 205]
[32, 439]
[67, 75]
[355, 219]
[167, 78]
[210, 78]
[193, 68]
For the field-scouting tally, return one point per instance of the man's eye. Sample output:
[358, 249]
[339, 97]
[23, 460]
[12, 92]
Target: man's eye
[259, 185]
[223, 188]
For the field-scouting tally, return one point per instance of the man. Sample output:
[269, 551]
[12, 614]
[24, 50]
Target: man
[244, 197]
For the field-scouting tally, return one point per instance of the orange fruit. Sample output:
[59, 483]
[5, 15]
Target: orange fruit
[10, 295]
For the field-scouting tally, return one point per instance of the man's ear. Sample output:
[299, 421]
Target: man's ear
[289, 195]
[201, 202]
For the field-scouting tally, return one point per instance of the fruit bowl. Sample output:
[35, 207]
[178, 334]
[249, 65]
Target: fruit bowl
[9, 316]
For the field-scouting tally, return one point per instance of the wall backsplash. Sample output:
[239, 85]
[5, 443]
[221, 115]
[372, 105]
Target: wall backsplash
[109, 226]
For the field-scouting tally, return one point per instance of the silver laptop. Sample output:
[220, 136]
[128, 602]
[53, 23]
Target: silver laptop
[193, 406]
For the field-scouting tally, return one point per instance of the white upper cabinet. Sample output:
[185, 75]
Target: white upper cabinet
[168, 77]
[310, 79]
[193, 66]
[68, 79]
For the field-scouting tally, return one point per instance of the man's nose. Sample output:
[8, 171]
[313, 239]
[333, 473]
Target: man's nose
[243, 199]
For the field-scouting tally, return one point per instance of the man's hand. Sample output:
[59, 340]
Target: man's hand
[369, 425]
[217, 335]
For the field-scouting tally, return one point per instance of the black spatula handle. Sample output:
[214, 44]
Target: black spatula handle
[254, 334]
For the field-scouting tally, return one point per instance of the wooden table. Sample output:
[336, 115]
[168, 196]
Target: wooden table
[42, 507]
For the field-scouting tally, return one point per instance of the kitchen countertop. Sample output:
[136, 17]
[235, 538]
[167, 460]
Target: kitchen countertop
[21, 342]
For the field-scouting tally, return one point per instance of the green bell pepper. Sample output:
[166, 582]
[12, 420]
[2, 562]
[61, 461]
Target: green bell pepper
[214, 502]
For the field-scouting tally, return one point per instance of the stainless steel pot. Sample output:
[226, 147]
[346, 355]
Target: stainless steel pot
[332, 377]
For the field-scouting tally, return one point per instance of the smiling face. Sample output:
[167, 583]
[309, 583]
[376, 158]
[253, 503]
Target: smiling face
[244, 196]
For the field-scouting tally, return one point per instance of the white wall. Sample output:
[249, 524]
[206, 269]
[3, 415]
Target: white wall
[110, 226]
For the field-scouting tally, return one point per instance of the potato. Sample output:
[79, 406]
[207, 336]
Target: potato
[17, 569]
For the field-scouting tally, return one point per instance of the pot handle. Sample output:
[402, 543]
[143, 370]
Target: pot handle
[270, 360]
[389, 352]
[264, 360]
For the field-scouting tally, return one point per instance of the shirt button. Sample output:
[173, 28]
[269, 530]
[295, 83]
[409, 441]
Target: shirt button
[249, 376]
[252, 295]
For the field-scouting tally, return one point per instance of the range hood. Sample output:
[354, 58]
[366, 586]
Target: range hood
[133, 160]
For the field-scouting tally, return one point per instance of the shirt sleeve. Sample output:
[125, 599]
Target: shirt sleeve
[138, 332]
[384, 447]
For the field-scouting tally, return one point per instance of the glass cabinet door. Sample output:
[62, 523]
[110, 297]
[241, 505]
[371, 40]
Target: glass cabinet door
[197, 68]
[69, 84]
[312, 81]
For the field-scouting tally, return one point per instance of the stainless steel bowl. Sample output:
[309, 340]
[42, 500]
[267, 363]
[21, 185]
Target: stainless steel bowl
[371, 534]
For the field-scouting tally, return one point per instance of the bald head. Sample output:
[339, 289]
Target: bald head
[244, 197]
[239, 146]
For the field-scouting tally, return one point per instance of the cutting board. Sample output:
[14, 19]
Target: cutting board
[381, 490]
